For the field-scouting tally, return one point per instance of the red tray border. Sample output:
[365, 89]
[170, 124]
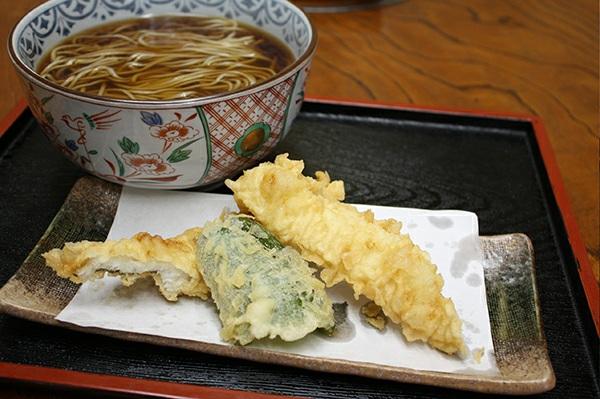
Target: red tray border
[84, 380]
[128, 385]
[12, 115]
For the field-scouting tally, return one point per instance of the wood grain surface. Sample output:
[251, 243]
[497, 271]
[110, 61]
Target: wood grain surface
[524, 56]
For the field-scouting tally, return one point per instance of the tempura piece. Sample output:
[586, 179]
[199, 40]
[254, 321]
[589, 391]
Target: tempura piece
[261, 288]
[373, 314]
[170, 262]
[378, 261]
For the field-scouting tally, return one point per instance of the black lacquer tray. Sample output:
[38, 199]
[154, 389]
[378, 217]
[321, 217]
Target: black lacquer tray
[490, 165]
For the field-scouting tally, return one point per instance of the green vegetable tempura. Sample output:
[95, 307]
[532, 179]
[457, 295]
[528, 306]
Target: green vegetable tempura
[261, 288]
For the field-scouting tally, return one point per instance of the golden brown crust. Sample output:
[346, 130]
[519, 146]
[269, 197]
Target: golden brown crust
[371, 255]
[177, 252]
[374, 315]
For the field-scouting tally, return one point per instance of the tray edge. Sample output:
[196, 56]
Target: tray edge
[465, 382]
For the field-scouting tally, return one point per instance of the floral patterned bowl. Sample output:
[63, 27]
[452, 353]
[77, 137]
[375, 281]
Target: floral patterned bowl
[163, 144]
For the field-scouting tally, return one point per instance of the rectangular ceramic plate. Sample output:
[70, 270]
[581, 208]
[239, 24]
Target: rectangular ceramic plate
[490, 165]
[36, 293]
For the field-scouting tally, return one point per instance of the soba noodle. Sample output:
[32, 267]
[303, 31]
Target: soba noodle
[165, 58]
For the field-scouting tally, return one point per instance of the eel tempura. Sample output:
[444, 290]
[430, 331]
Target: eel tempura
[372, 256]
[170, 262]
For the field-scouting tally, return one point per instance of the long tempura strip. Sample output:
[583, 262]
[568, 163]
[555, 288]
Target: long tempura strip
[170, 262]
[371, 255]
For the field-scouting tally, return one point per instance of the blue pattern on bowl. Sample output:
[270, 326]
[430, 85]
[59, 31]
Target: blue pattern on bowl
[58, 21]
[133, 142]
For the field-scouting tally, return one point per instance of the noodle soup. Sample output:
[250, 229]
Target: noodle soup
[157, 94]
[165, 58]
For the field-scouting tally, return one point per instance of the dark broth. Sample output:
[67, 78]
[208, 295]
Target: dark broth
[93, 41]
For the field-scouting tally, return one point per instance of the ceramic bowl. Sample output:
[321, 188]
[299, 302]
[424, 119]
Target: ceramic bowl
[163, 144]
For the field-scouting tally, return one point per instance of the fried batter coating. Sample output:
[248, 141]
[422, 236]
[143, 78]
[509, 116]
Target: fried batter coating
[373, 314]
[170, 262]
[371, 255]
[261, 288]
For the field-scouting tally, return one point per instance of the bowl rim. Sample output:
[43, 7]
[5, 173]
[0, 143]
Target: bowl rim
[31, 75]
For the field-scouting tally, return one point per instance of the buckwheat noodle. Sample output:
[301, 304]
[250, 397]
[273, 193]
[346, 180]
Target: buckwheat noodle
[159, 60]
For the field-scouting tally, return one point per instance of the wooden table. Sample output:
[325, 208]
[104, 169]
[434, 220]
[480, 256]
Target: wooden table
[523, 56]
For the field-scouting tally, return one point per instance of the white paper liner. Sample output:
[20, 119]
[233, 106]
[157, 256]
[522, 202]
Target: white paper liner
[450, 237]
